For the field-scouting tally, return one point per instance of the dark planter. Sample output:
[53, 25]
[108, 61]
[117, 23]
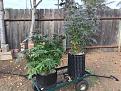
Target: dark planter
[46, 80]
[76, 65]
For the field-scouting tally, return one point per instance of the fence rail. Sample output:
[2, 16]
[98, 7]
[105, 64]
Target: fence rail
[50, 21]
[102, 18]
[35, 19]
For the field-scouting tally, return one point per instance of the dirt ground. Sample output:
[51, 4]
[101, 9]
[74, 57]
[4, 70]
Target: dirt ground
[101, 63]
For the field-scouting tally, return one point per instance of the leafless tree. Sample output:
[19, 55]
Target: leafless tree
[34, 5]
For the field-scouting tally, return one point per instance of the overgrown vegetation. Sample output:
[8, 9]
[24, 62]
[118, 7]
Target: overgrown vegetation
[81, 24]
[45, 56]
[79, 27]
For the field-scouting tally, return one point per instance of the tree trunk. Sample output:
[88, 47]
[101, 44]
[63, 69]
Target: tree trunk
[33, 18]
[32, 28]
[2, 27]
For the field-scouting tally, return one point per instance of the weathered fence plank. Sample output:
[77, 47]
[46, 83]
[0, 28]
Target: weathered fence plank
[50, 21]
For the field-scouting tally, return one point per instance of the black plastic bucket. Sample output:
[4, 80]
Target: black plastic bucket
[46, 80]
[76, 65]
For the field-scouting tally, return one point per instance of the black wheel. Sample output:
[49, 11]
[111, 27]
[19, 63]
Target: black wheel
[82, 86]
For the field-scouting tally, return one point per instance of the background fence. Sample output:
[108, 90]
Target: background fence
[49, 21]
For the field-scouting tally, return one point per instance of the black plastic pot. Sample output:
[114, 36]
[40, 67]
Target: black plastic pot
[76, 65]
[46, 80]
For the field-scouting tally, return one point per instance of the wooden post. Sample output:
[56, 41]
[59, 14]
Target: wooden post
[119, 37]
[2, 28]
[4, 46]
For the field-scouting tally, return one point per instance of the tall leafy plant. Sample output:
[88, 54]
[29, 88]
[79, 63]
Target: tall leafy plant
[93, 2]
[81, 25]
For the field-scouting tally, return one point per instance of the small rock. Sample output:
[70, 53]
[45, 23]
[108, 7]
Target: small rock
[9, 77]
[11, 61]
[21, 84]
[113, 71]
[24, 68]
[115, 63]
[97, 66]
[18, 65]
[96, 60]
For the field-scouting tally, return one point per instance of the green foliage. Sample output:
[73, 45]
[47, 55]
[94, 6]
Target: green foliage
[45, 56]
[80, 26]
[93, 2]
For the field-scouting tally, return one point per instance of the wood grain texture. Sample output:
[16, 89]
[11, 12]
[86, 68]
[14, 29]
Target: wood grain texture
[50, 21]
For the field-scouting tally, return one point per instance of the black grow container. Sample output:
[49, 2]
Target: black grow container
[46, 80]
[76, 65]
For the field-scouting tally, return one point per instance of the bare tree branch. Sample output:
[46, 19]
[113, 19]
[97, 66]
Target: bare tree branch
[31, 4]
[119, 3]
[26, 4]
[58, 4]
[109, 2]
[38, 3]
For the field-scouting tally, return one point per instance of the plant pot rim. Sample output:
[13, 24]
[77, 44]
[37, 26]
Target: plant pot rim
[45, 74]
[81, 53]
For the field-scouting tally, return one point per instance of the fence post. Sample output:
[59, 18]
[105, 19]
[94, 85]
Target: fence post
[119, 37]
[3, 45]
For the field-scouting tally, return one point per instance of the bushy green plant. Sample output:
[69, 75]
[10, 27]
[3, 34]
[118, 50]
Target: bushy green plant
[80, 26]
[45, 56]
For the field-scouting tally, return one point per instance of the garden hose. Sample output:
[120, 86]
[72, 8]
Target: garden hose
[25, 76]
[110, 77]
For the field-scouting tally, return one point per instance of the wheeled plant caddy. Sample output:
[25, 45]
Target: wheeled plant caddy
[79, 83]
[74, 74]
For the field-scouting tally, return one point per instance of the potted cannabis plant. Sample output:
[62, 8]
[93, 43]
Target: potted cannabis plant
[43, 59]
[79, 28]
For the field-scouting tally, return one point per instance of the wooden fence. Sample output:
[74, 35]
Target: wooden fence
[18, 24]
[49, 21]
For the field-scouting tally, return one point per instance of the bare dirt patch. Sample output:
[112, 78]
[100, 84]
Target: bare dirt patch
[101, 63]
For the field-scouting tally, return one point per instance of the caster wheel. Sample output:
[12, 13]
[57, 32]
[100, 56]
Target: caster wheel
[82, 86]
[35, 89]
[67, 78]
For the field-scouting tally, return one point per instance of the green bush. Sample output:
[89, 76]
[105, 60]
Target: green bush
[45, 56]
